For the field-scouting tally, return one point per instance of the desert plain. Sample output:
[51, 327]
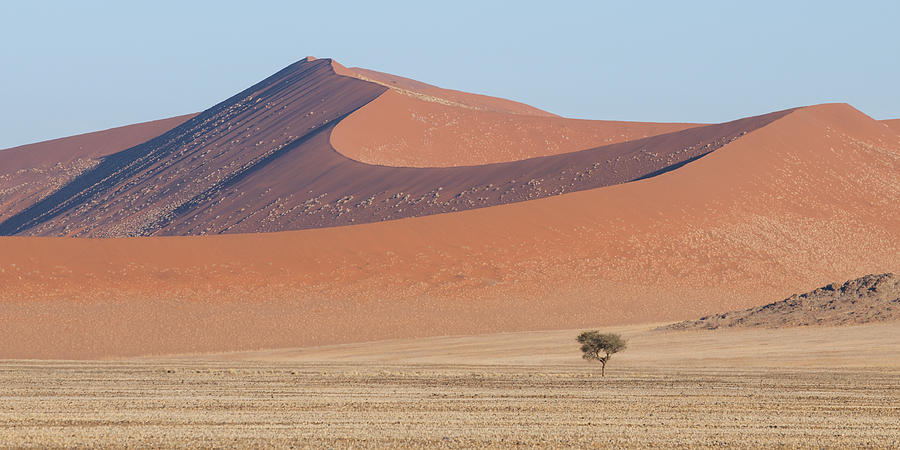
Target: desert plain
[806, 387]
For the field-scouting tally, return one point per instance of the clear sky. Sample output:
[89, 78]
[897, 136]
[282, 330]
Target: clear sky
[74, 66]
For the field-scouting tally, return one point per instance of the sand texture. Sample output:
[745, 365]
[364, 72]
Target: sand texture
[893, 124]
[668, 389]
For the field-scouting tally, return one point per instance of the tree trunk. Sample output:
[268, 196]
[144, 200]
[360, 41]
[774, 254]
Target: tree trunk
[602, 368]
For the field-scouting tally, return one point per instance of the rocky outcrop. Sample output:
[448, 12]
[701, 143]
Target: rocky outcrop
[872, 298]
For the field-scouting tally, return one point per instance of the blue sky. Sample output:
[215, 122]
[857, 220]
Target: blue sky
[71, 67]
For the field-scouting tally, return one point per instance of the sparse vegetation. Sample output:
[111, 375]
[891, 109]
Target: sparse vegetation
[593, 343]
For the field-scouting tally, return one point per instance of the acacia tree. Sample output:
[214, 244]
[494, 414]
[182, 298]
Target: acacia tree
[593, 344]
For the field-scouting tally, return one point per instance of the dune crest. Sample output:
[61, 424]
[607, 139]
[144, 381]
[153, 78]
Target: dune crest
[428, 93]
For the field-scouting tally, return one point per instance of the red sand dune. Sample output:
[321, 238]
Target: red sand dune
[262, 161]
[893, 124]
[401, 130]
[88, 145]
[448, 97]
[808, 199]
[418, 125]
[30, 172]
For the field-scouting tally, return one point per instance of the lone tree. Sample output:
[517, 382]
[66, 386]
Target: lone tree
[593, 344]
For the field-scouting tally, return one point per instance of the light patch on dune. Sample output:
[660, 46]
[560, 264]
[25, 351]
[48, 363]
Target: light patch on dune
[419, 95]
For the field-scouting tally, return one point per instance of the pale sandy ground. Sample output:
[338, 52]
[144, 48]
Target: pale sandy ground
[864, 346]
[668, 389]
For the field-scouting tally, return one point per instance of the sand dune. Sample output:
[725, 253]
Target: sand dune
[805, 200]
[434, 94]
[88, 145]
[262, 161]
[893, 124]
[144, 188]
[31, 172]
[399, 130]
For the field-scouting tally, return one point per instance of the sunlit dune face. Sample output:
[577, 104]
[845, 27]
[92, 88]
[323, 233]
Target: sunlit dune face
[401, 130]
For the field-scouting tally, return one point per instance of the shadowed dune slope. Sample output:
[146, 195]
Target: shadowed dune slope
[30, 172]
[809, 198]
[147, 187]
[262, 161]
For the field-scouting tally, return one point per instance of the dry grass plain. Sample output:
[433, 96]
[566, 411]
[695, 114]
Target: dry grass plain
[837, 387]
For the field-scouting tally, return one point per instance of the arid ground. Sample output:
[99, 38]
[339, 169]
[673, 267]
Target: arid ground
[812, 386]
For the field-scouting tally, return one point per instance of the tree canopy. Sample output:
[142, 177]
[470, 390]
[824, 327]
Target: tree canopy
[598, 346]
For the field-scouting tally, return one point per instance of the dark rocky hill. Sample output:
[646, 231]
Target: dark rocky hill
[872, 298]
